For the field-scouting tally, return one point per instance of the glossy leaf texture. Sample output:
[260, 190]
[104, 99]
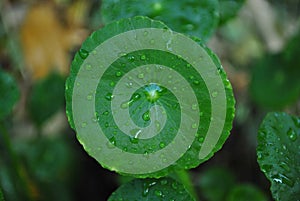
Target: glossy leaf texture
[151, 190]
[46, 98]
[136, 93]
[193, 17]
[275, 78]
[9, 93]
[278, 154]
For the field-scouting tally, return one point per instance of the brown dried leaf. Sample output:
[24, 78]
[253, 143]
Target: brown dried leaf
[46, 42]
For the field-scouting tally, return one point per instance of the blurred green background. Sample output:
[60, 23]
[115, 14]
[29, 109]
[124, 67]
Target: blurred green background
[257, 41]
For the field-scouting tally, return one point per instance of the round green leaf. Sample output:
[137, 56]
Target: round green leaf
[145, 100]
[193, 17]
[278, 154]
[151, 190]
[9, 93]
[46, 98]
[246, 192]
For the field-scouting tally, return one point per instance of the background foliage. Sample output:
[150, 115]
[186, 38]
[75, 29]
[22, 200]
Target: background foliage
[257, 42]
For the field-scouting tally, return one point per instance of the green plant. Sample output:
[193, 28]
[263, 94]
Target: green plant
[144, 99]
[158, 85]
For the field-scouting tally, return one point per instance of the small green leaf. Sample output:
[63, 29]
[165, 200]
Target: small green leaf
[246, 192]
[9, 93]
[229, 9]
[215, 183]
[278, 154]
[151, 190]
[275, 78]
[193, 17]
[46, 98]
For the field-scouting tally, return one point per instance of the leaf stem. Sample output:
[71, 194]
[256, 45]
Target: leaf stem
[184, 177]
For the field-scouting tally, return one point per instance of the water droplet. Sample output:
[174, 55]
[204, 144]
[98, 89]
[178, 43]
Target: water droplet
[135, 97]
[146, 116]
[118, 73]
[112, 83]
[214, 94]
[266, 167]
[131, 58]
[152, 41]
[112, 140]
[286, 180]
[106, 125]
[105, 113]
[145, 191]
[146, 154]
[111, 143]
[259, 156]
[125, 105]
[141, 75]
[134, 140]
[143, 57]
[83, 53]
[188, 65]
[201, 139]
[296, 121]
[89, 97]
[194, 107]
[158, 193]
[145, 33]
[108, 96]
[192, 77]
[129, 84]
[83, 124]
[194, 125]
[292, 135]
[285, 166]
[158, 126]
[196, 82]
[88, 67]
[162, 144]
[121, 54]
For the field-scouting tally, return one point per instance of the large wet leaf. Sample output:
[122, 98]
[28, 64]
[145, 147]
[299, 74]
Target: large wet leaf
[9, 93]
[278, 153]
[151, 190]
[193, 17]
[136, 93]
